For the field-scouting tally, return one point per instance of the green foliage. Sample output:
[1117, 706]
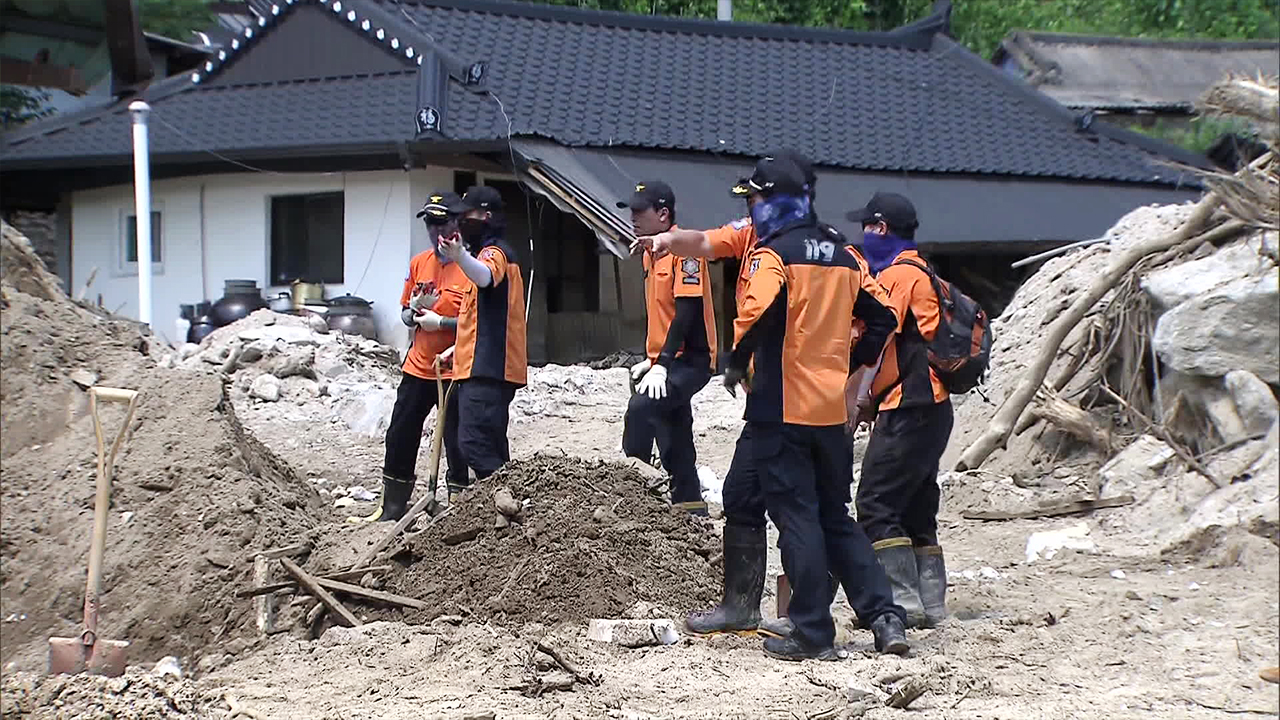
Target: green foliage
[1198, 135]
[175, 19]
[980, 24]
[20, 105]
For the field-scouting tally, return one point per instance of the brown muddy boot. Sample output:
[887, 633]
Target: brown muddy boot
[932, 572]
[899, 563]
[745, 556]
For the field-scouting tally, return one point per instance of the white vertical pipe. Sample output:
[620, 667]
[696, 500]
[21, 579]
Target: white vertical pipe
[724, 10]
[142, 205]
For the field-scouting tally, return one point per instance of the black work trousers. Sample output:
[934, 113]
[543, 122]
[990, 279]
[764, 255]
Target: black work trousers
[806, 472]
[414, 400]
[484, 405]
[669, 421]
[898, 493]
[743, 497]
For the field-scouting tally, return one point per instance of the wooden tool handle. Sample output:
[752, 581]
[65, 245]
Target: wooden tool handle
[102, 498]
[106, 394]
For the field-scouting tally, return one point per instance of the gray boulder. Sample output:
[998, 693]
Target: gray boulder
[1172, 286]
[1235, 326]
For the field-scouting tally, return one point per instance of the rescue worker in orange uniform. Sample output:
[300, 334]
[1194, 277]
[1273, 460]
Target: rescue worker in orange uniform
[432, 297]
[745, 544]
[794, 330]
[490, 357]
[898, 493]
[680, 348]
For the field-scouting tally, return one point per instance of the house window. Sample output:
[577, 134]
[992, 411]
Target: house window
[307, 238]
[129, 241]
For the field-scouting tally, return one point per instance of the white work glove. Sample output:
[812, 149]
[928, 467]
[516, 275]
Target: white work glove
[446, 356]
[428, 320]
[654, 383]
[424, 300]
[452, 247]
[640, 368]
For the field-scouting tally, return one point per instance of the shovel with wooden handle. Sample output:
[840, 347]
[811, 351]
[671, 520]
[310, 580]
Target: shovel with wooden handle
[88, 652]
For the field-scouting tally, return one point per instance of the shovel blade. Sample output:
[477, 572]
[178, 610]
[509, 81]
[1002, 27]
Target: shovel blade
[72, 656]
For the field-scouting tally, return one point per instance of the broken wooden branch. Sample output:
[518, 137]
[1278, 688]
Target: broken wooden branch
[1064, 508]
[569, 667]
[287, 551]
[1002, 424]
[379, 595]
[906, 693]
[1164, 434]
[1050, 406]
[344, 575]
[368, 555]
[324, 596]
[264, 606]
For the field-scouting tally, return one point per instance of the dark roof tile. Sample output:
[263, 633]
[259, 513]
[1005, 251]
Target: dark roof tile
[590, 78]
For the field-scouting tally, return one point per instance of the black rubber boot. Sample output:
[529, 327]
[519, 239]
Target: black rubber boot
[395, 499]
[932, 571]
[891, 637]
[899, 563]
[455, 492]
[782, 627]
[793, 649]
[744, 564]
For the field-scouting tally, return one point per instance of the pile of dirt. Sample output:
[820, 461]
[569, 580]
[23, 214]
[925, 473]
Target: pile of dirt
[137, 694]
[590, 541]
[194, 492]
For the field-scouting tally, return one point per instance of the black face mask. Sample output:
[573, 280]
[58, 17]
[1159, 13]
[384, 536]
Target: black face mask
[472, 229]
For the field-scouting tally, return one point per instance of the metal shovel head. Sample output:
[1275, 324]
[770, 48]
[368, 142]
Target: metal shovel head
[76, 655]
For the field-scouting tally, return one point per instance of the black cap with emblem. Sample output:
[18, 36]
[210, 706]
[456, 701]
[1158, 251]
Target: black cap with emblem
[772, 175]
[895, 210]
[436, 210]
[478, 197]
[650, 194]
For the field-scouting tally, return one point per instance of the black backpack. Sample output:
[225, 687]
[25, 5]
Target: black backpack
[960, 352]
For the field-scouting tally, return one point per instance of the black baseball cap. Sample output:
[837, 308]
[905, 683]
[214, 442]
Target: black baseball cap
[650, 194]
[803, 163]
[436, 210]
[895, 210]
[478, 197]
[772, 175]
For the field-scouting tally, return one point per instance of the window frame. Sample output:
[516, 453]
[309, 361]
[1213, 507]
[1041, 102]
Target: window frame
[341, 194]
[124, 266]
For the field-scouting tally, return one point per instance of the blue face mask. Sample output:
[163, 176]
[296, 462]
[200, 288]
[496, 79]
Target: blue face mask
[775, 212]
[882, 250]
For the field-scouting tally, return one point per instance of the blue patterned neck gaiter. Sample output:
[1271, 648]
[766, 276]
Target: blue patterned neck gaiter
[882, 250]
[770, 215]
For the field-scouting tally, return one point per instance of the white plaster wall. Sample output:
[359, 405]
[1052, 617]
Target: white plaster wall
[379, 228]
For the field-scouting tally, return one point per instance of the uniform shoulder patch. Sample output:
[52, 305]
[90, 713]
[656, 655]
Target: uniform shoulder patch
[690, 268]
[740, 223]
[755, 265]
[490, 252]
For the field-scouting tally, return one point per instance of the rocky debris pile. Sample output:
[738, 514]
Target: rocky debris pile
[553, 539]
[137, 694]
[194, 491]
[1206, 471]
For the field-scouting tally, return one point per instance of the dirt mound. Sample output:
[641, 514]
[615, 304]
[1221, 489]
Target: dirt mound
[138, 695]
[194, 491]
[591, 541]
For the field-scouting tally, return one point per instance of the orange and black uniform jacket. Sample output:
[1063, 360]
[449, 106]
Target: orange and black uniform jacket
[681, 316]
[905, 378]
[796, 318]
[427, 273]
[491, 326]
[872, 287]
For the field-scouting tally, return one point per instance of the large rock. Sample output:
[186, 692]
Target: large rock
[1254, 402]
[1172, 286]
[1233, 327]
[367, 409]
[1135, 469]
